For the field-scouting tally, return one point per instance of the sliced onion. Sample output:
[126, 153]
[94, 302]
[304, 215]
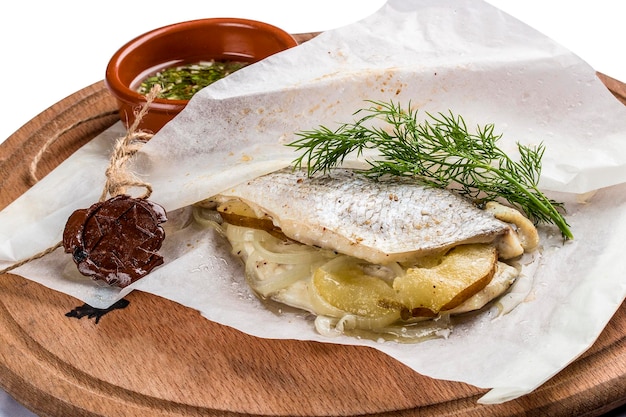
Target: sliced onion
[297, 254]
[252, 263]
[397, 269]
[372, 323]
[338, 263]
[387, 272]
[440, 327]
[327, 326]
[273, 249]
[208, 218]
[270, 285]
[335, 326]
[245, 234]
[269, 270]
[267, 278]
[320, 305]
[521, 288]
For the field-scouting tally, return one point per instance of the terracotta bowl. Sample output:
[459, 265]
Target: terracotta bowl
[220, 39]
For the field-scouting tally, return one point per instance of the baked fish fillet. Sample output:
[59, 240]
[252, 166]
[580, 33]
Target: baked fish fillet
[388, 220]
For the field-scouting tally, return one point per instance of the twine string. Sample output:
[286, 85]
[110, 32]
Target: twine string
[118, 179]
[32, 258]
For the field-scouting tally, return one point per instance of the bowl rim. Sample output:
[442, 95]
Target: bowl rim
[125, 93]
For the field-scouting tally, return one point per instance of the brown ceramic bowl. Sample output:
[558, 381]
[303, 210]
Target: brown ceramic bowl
[220, 39]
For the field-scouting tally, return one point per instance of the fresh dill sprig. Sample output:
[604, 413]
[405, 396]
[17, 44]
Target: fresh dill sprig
[438, 152]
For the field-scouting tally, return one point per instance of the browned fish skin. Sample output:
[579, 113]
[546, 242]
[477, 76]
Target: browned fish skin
[382, 221]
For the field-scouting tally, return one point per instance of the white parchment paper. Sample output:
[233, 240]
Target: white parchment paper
[463, 56]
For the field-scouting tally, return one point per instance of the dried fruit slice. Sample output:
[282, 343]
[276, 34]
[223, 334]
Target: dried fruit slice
[463, 272]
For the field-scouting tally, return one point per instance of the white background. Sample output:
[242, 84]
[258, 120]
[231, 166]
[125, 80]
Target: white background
[51, 49]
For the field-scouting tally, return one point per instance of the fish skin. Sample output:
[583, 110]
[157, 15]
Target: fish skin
[380, 221]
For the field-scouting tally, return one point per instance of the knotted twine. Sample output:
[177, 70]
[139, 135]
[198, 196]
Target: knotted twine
[118, 178]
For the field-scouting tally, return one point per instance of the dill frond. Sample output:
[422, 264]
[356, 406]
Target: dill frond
[439, 152]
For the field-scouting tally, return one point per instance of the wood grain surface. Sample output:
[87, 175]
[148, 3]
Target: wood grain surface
[157, 358]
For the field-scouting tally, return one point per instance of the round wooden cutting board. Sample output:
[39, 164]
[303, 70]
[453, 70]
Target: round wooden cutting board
[155, 358]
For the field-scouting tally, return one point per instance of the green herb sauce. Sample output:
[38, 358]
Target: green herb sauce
[183, 81]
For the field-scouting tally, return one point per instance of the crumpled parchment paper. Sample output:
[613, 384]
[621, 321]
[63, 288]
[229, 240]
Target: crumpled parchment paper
[459, 55]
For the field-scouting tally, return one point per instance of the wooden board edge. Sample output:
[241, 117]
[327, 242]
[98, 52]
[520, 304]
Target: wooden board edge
[617, 88]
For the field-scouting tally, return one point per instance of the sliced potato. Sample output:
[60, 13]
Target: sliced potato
[503, 278]
[236, 207]
[238, 213]
[463, 272]
[344, 285]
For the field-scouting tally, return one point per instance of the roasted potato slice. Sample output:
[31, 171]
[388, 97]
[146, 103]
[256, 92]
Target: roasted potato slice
[238, 213]
[344, 285]
[236, 207]
[463, 271]
[439, 284]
